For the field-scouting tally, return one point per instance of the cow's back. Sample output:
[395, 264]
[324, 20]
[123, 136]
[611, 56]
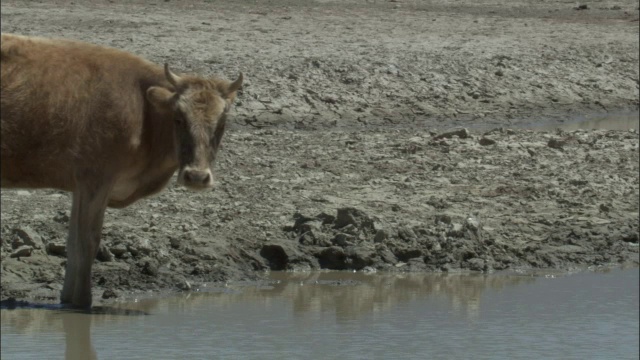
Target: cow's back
[67, 104]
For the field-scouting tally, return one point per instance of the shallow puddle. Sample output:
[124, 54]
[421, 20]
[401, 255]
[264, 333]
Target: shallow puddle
[341, 315]
[609, 121]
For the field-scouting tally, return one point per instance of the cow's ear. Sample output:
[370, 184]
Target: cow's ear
[160, 97]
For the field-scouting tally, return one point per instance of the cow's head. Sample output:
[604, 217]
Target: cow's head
[199, 107]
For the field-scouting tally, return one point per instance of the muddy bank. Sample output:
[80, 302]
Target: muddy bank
[368, 201]
[324, 64]
[374, 182]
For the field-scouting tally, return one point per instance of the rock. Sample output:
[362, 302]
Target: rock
[350, 229]
[473, 224]
[486, 141]
[333, 258]
[279, 255]
[184, 285]
[369, 270]
[582, 7]
[139, 245]
[631, 238]
[381, 235]
[55, 248]
[109, 294]
[476, 264]
[149, 266]
[22, 251]
[313, 225]
[352, 216]
[316, 238]
[359, 257]
[326, 218]
[27, 236]
[456, 230]
[118, 250]
[407, 254]
[299, 221]
[62, 217]
[343, 240]
[556, 144]
[605, 208]
[416, 265]
[406, 233]
[461, 133]
[104, 254]
[443, 218]
[174, 242]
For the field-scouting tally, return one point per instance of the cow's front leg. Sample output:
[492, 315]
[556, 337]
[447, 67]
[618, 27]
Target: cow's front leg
[87, 214]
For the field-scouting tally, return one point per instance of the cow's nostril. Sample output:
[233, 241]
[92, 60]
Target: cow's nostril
[188, 176]
[197, 177]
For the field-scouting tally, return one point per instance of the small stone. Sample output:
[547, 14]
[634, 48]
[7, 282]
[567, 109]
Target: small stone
[472, 223]
[486, 141]
[343, 240]
[104, 254]
[461, 133]
[359, 257]
[174, 242]
[605, 207]
[381, 235]
[118, 250]
[184, 285]
[582, 7]
[445, 219]
[109, 294]
[149, 266]
[332, 258]
[140, 245]
[499, 73]
[62, 217]
[22, 251]
[406, 233]
[369, 270]
[279, 255]
[555, 144]
[59, 249]
[476, 264]
[456, 230]
[28, 236]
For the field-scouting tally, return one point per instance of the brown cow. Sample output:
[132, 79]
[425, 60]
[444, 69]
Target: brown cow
[106, 125]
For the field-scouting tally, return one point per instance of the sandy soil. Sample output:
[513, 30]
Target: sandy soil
[339, 155]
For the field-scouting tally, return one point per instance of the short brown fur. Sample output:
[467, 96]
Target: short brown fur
[103, 124]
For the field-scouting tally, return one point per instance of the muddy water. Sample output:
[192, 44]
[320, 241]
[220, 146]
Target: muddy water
[609, 121]
[352, 316]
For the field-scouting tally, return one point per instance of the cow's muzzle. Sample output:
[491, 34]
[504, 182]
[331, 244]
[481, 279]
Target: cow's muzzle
[196, 179]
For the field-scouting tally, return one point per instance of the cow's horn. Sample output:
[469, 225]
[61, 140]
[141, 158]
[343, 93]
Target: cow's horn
[173, 78]
[234, 86]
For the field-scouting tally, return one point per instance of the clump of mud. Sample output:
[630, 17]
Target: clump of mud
[367, 201]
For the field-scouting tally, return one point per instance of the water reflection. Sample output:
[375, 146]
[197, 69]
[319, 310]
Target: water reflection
[612, 121]
[348, 295]
[297, 314]
[77, 330]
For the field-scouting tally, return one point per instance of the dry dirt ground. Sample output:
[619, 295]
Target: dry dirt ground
[340, 156]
